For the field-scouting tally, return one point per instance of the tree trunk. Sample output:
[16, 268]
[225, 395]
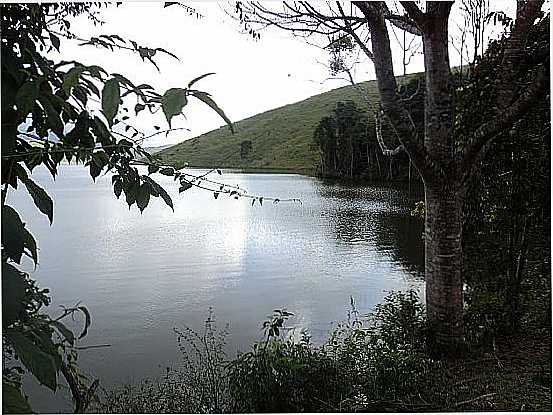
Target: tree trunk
[369, 162]
[378, 163]
[443, 256]
[437, 160]
[351, 158]
[512, 293]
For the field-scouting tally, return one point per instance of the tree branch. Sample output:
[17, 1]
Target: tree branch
[414, 12]
[489, 130]
[385, 151]
[506, 111]
[351, 32]
[387, 86]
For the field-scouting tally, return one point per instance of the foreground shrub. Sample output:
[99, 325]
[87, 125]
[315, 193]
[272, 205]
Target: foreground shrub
[365, 364]
[369, 363]
[197, 384]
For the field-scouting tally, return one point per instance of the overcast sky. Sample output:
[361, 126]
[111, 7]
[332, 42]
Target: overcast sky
[251, 76]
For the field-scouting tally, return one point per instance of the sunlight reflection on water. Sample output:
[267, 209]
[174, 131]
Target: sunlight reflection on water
[142, 275]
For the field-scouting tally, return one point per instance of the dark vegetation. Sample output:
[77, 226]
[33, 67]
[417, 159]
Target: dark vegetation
[374, 363]
[349, 148]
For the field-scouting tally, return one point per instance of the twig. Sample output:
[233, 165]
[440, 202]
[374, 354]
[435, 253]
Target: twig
[475, 399]
[499, 364]
[94, 346]
[469, 380]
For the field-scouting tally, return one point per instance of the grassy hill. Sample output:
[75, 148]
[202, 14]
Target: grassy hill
[281, 138]
[154, 150]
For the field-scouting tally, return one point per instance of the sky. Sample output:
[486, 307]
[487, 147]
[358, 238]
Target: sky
[252, 76]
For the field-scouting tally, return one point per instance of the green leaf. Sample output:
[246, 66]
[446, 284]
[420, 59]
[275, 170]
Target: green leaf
[64, 331]
[13, 233]
[167, 171]
[102, 132]
[206, 99]
[184, 186]
[143, 196]
[55, 41]
[100, 158]
[30, 244]
[172, 102]
[53, 117]
[130, 195]
[94, 170]
[117, 188]
[13, 294]
[193, 81]
[42, 201]
[86, 321]
[138, 108]
[157, 190]
[40, 364]
[71, 78]
[168, 53]
[13, 401]
[111, 95]
[26, 97]
[166, 198]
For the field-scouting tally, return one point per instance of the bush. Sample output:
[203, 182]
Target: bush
[365, 364]
[198, 385]
[370, 363]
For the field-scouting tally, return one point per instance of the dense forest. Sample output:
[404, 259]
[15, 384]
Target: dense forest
[353, 145]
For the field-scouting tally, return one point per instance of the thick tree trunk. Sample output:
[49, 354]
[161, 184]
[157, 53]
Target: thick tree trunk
[442, 168]
[443, 256]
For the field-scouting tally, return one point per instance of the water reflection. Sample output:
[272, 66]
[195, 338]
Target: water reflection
[142, 275]
[378, 217]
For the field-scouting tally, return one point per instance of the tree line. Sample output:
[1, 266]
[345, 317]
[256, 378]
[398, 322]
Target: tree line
[352, 143]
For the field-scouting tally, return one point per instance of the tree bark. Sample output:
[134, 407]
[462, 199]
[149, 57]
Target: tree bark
[442, 169]
[443, 260]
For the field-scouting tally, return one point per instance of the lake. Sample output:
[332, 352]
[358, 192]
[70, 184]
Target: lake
[140, 275]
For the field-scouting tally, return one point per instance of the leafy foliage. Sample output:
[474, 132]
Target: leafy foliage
[48, 116]
[373, 363]
[507, 212]
[355, 369]
[360, 367]
[199, 384]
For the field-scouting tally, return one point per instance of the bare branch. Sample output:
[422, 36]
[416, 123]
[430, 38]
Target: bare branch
[351, 32]
[380, 139]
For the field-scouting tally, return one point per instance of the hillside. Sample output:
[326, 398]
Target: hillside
[154, 150]
[281, 138]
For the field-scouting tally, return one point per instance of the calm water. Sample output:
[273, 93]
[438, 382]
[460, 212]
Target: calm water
[142, 275]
